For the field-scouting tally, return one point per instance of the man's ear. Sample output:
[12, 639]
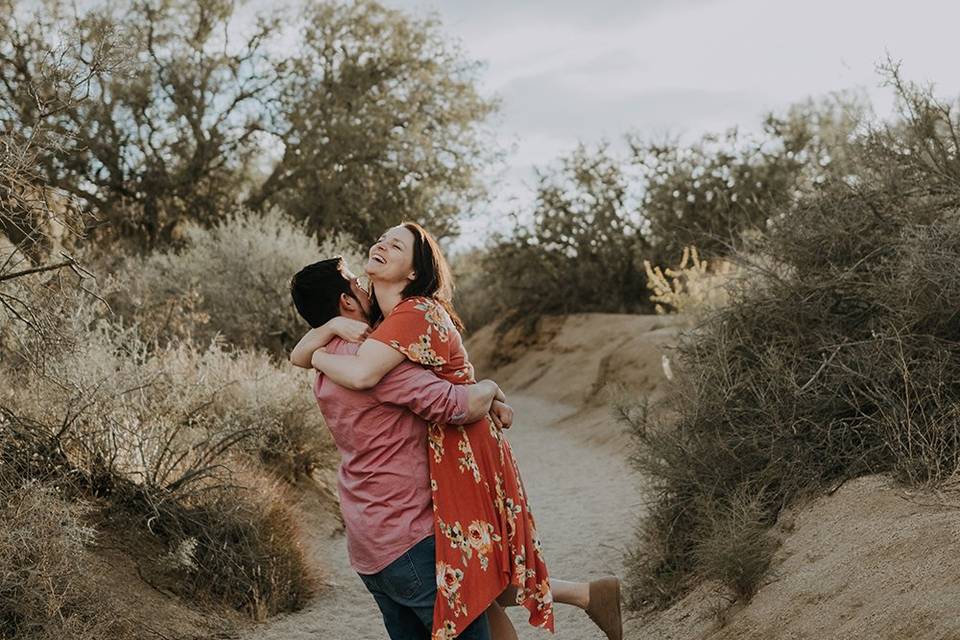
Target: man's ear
[347, 303]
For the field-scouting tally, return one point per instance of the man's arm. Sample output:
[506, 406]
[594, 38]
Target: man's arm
[435, 399]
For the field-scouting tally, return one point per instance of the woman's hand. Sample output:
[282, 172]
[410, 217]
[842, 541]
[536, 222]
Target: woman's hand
[316, 360]
[349, 329]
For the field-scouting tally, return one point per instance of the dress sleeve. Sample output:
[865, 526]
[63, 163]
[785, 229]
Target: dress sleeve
[418, 328]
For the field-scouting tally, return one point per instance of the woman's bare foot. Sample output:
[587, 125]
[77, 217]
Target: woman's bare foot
[604, 606]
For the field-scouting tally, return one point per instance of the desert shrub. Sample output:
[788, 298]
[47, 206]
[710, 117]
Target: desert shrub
[45, 591]
[232, 279]
[582, 252]
[160, 434]
[107, 393]
[239, 544]
[474, 295]
[737, 548]
[710, 192]
[246, 388]
[836, 357]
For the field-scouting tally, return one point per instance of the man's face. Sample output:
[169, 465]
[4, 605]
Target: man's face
[363, 298]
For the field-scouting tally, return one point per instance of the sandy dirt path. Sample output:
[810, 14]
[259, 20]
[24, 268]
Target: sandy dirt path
[585, 501]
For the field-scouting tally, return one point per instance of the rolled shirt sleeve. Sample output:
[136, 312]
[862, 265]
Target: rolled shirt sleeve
[425, 394]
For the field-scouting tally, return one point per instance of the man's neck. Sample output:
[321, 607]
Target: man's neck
[354, 315]
[388, 295]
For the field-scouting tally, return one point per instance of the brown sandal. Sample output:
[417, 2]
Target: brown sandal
[604, 607]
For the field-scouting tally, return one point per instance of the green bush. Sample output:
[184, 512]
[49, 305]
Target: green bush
[598, 217]
[835, 356]
[583, 251]
[709, 193]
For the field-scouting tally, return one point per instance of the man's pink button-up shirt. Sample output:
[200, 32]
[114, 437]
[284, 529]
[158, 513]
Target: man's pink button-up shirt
[384, 475]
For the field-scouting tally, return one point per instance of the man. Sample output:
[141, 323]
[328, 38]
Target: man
[384, 477]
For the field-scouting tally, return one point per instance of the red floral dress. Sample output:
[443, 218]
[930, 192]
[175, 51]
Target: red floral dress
[486, 537]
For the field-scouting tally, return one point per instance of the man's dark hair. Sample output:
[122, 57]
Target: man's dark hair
[316, 290]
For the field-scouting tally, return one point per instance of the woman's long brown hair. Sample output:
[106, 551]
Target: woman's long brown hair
[433, 276]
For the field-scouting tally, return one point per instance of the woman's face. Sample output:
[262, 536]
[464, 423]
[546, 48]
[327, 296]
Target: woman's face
[391, 257]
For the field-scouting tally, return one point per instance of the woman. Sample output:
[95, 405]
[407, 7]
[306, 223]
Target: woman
[487, 544]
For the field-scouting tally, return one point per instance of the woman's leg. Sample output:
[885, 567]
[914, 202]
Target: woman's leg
[575, 593]
[564, 592]
[599, 598]
[500, 626]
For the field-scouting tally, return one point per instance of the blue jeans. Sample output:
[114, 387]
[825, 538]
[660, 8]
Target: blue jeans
[405, 590]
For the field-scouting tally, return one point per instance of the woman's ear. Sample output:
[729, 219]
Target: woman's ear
[412, 276]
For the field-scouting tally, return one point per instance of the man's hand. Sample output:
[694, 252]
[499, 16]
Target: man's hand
[349, 329]
[480, 397]
[502, 414]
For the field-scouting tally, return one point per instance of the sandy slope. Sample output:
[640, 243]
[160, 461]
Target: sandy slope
[871, 561]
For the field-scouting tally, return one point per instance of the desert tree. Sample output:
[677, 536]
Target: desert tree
[383, 122]
[162, 138]
[375, 116]
[36, 88]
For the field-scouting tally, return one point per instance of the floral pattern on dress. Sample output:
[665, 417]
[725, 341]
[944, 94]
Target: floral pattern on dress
[449, 581]
[435, 440]
[420, 351]
[466, 460]
[477, 540]
[447, 632]
[474, 480]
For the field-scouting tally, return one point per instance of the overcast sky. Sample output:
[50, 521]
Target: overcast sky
[569, 71]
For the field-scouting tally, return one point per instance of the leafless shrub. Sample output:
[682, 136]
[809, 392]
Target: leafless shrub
[45, 592]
